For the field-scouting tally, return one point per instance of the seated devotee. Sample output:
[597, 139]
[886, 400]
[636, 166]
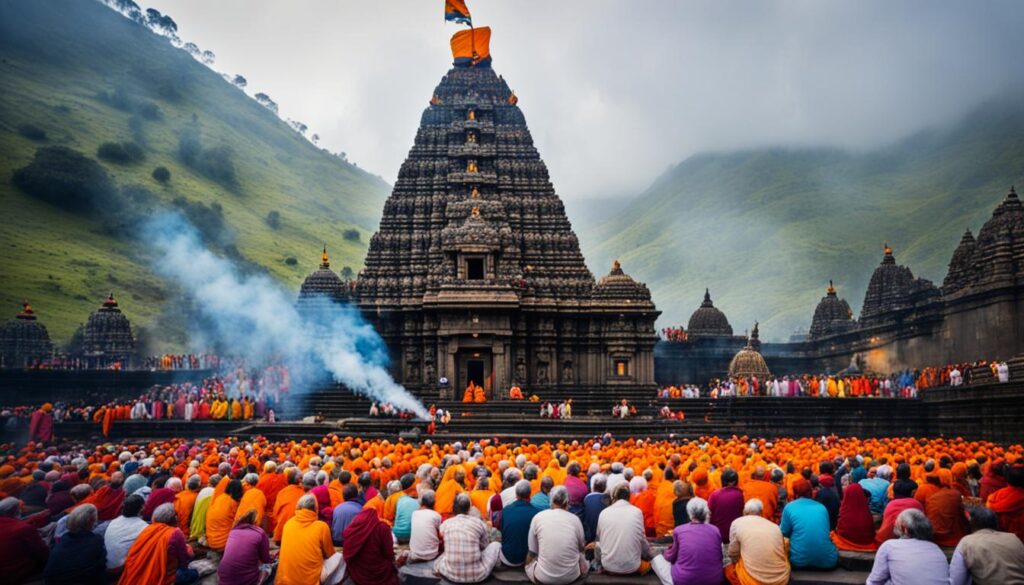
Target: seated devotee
[695, 556]
[621, 544]
[164, 491]
[680, 505]
[160, 554]
[726, 503]
[945, 511]
[287, 498]
[987, 556]
[542, 500]
[469, 555]
[912, 558]
[24, 552]
[197, 526]
[79, 494]
[515, 526]
[221, 516]
[185, 502]
[247, 551]
[344, 513]
[307, 554]
[878, 488]
[369, 552]
[593, 504]
[405, 507]
[79, 558]
[122, 532]
[664, 496]
[902, 499]
[108, 499]
[252, 499]
[855, 530]
[452, 483]
[1008, 502]
[556, 544]
[827, 493]
[805, 524]
[757, 549]
[642, 494]
[515, 393]
[425, 533]
[768, 493]
[481, 495]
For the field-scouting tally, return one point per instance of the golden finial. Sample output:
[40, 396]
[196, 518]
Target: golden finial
[475, 194]
[831, 289]
[325, 262]
[888, 250]
[471, 115]
[476, 212]
[616, 265]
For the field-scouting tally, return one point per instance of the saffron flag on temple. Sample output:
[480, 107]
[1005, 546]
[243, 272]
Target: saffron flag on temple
[456, 11]
[472, 47]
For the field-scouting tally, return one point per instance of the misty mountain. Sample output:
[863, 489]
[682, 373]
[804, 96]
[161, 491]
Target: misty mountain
[766, 229]
[112, 122]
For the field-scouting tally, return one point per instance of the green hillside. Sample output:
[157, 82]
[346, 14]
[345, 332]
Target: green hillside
[766, 229]
[82, 75]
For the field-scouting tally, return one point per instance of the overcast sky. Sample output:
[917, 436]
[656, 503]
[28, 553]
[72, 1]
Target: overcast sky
[614, 92]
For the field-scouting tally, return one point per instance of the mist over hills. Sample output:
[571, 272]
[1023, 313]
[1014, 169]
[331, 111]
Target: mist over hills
[765, 229]
[76, 75]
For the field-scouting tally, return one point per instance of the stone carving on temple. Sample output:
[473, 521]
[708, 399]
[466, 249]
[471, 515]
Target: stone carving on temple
[832, 315]
[892, 289]
[107, 337]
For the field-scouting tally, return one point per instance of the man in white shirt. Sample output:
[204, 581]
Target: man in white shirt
[425, 535]
[508, 495]
[621, 541]
[1003, 371]
[123, 530]
[616, 477]
[555, 544]
[955, 377]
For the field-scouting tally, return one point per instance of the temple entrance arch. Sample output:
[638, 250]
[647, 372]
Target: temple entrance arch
[476, 365]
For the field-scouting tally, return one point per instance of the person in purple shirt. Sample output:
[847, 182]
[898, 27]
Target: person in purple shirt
[345, 512]
[695, 557]
[576, 487]
[726, 503]
[911, 559]
[248, 548]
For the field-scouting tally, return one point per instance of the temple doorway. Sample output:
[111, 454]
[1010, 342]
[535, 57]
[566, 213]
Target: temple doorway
[476, 366]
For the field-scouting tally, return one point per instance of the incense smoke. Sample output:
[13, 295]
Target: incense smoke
[255, 318]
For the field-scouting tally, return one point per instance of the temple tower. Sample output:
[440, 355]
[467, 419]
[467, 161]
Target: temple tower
[708, 320]
[322, 287]
[24, 340]
[107, 337]
[832, 315]
[475, 272]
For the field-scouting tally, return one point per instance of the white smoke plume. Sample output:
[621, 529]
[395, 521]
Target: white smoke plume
[254, 317]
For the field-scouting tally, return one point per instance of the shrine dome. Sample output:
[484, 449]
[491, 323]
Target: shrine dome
[707, 320]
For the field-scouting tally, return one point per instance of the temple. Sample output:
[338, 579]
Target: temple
[322, 286]
[24, 340]
[106, 339]
[475, 274]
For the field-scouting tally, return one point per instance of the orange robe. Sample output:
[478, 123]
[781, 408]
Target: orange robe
[480, 499]
[945, 510]
[1008, 504]
[284, 508]
[664, 520]
[645, 501]
[184, 502]
[271, 484]
[146, 563]
[446, 492]
[252, 499]
[765, 491]
[219, 520]
[305, 543]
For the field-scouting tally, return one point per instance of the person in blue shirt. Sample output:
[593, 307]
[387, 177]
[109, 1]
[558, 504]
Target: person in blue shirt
[878, 488]
[541, 500]
[344, 513]
[515, 526]
[593, 504]
[404, 508]
[805, 522]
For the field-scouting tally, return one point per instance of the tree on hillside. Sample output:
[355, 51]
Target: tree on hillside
[315, 139]
[153, 17]
[298, 126]
[208, 57]
[65, 178]
[192, 49]
[240, 81]
[265, 101]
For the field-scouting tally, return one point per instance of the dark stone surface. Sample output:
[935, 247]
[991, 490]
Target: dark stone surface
[708, 320]
[24, 340]
[832, 315]
[107, 337]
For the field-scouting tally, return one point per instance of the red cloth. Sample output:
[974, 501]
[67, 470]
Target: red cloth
[855, 522]
[945, 510]
[108, 502]
[369, 550]
[322, 493]
[24, 552]
[1008, 504]
[156, 498]
[992, 482]
[40, 427]
[885, 531]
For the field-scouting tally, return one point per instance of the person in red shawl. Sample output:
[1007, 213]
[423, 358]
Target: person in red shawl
[855, 530]
[369, 551]
[108, 499]
[1008, 503]
[40, 426]
[25, 553]
[160, 555]
[993, 480]
[164, 492]
[903, 499]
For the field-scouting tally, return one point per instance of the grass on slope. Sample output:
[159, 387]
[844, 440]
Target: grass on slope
[767, 229]
[56, 58]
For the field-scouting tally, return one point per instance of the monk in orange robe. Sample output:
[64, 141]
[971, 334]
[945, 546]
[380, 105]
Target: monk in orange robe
[664, 521]
[451, 485]
[184, 502]
[271, 483]
[221, 516]
[945, 510]
[252, 499]
[481, 496]
[644, 500]
[284, 507]
[766, 491]
[1008, 502]
[147, 560]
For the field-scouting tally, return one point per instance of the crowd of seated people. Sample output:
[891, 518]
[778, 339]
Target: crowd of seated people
[303, 512]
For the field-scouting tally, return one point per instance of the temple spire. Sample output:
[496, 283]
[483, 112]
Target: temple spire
[325, 261]
[831, 288]
[888, 258]
[26, 312]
